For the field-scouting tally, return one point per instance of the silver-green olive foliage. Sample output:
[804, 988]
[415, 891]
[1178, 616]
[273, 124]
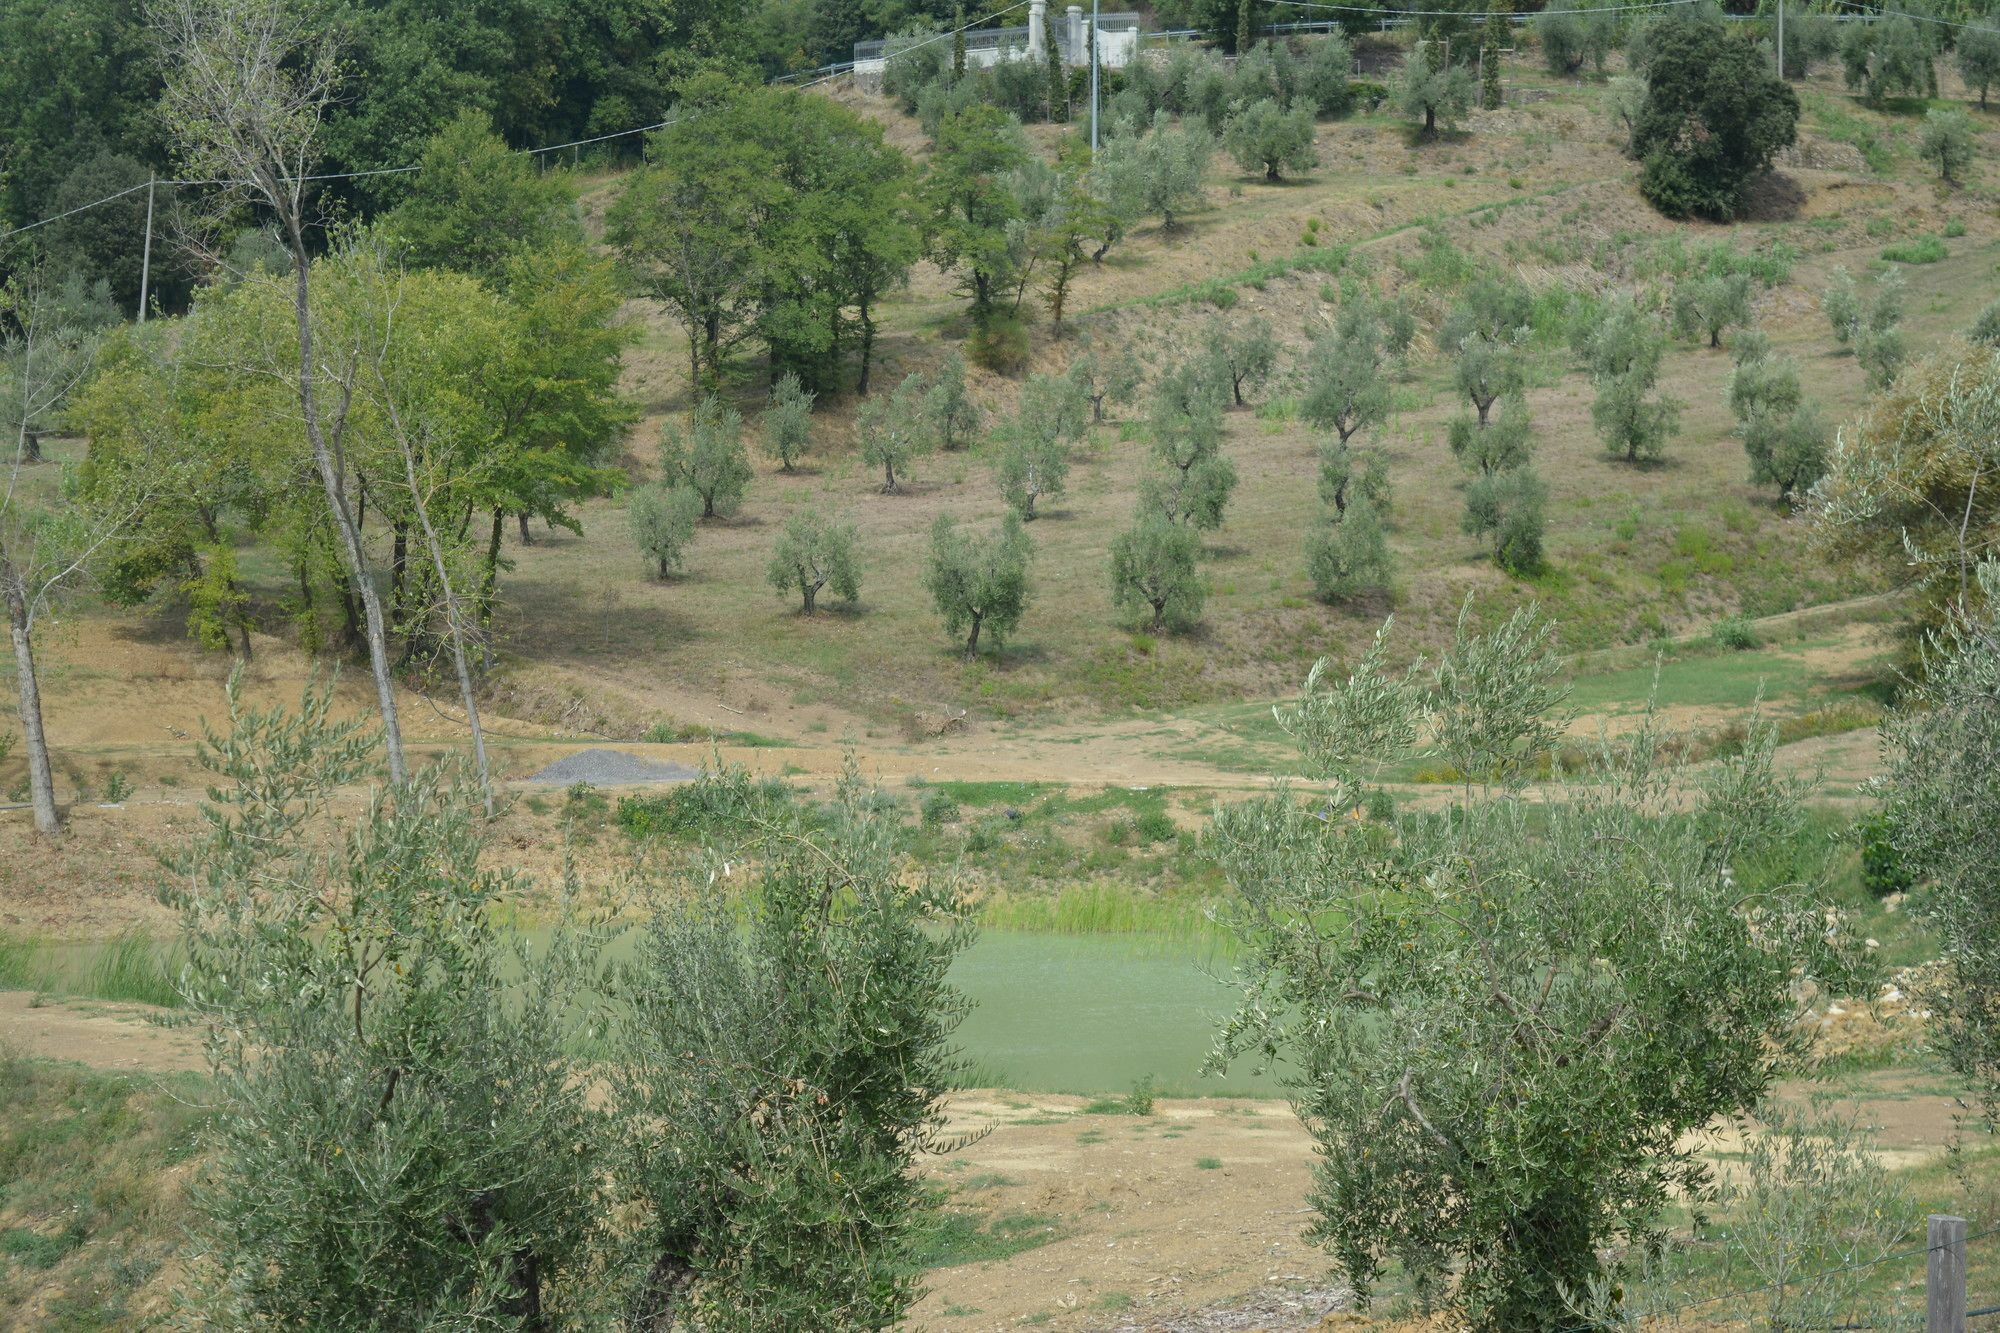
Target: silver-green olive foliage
[1502, 1020]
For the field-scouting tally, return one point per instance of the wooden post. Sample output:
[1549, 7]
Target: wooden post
[1944, 1275]
[146, 253]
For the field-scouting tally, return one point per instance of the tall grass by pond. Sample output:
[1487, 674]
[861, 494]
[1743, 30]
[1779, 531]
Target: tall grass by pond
[131, 967]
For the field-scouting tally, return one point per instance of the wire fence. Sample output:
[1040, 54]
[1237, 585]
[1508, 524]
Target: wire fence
[1913, 1287]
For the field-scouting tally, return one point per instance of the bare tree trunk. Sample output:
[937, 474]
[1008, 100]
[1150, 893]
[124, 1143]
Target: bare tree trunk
[527, 538]
[41, 782]
[453, 612]
[336, 499]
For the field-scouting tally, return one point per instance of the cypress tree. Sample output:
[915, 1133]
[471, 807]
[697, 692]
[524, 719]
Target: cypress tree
[1489, 59]
[1058, 82]
[1244, 25]
[958, 45]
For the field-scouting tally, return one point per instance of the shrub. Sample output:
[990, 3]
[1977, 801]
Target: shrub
[1347, 555]
[1734, 633]
[1001, 344]
[1882, 868]
[1923, 250]
[1985, 329]
[786, 1049]
[1713, 118]
[939, 809]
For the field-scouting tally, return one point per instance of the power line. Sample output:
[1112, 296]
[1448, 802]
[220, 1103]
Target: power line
[1471, 14]
[834, 71]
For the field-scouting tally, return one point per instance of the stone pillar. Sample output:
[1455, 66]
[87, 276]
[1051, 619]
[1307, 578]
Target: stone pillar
[1038, 23]
[1077, 55]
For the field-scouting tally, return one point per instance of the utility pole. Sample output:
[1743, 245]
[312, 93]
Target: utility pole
[1096, 41]
[1781, 38]
[146, 253]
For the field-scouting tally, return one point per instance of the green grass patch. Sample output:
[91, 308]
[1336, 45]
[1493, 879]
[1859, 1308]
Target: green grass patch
[1923, 250]
[132, 968]
[84, 1179]
[958, 1236]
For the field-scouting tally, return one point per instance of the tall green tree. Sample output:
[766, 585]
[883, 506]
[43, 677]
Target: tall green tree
[1714, 117]
[475, 206]
[967, 205]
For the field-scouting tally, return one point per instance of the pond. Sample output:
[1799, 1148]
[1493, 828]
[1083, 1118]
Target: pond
[1094, 1014]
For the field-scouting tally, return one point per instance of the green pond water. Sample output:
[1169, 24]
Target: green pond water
[1080, 1014]
[1091, 1014]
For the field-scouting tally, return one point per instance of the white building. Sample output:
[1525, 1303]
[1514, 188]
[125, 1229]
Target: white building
[1117, 42]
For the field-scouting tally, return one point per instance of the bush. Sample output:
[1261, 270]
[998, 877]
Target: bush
[1985, 329]
[1882, 868]
[939, 809]
[1713, 118]
[1735, 633]
[1923, 250]
[1001, 344]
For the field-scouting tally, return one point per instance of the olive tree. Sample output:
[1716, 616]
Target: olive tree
[1504, 444]
[979, 583]
[813, 553]
[1507, 508]
[404, 1129]
[1943, 807]
[1263, 136]
[1887, 56]
[954, 416]
[1947, 142]
[1978, 48]
[897, 429]
[1710, 304]
[1346, 389]
[1159, 171]
[663, 520]
[1243, 357]
[782, 1051]
[1155, 566]
[1192, 481]
[708, 458]
[1340, 481]
[1501, 1021]
[1433, 94]
[1033, 460]
[1783, 434]
[1347, 553]
[1623, 353]
[1841, 304]
[787, 422]
[1910, 489]
[1109, 377]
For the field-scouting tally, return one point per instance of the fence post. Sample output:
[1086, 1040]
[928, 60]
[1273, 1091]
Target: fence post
[1944, 1275]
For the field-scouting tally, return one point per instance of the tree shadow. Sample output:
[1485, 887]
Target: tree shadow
[1773, 197]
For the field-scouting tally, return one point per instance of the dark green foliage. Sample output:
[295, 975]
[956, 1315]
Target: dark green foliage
[788, 1050]
[772, 215]
[1979, 58]
[1882, 868]
[966, 202]
[1714, 117]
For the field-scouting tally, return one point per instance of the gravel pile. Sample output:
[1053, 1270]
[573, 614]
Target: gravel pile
[610, 768]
